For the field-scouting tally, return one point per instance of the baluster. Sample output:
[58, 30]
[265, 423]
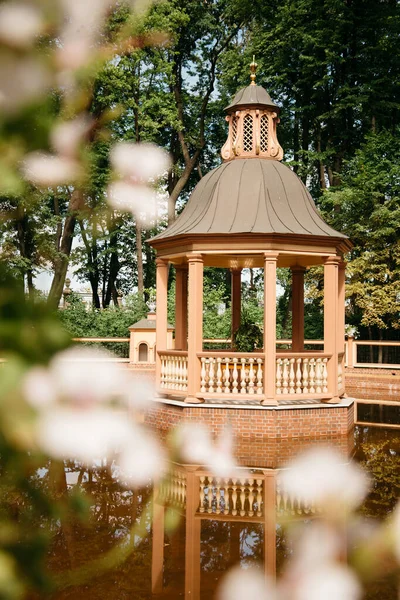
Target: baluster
[162, 378]
[169, 372]
[312, 376]
[177, 373]
[251, 497]
[234, 497]
[251, 376]
[226, 497]
[211, 375]
[235, 376]
[181, 372]
[285, 376]
[298, 376]
[210, 494]
[218, 495]
[318, 376]
[242, 497]
[278, 376]
[226, 376]
[291, 376]
[184, 373]
[203, 375]
[305, 375]
[219, 376]
[259, 497]
[243, 376]
[325, 375]
[278, 496]
[259, 376]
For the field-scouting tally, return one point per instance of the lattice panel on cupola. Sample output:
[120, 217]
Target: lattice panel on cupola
[248, 133]
[234, 128]
[264, 133]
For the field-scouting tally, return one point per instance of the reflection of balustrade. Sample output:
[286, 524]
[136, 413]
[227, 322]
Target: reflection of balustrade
[172, 490]
[288, 505]
[240, 374]
[237, 497]
[174, 371]
[302, 375]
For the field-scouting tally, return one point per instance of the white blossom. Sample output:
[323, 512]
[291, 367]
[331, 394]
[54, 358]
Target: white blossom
[141, 459]
[327, 582]
[87, 375]
[319, 475]
[130, 197]
[20, 23]
[21, 82]
[142, 162]
[81, 434]
[246, 583]
[66, 137]
[46, 170]
[38, 388]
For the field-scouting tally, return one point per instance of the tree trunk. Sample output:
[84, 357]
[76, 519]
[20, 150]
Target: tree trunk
[62, 261]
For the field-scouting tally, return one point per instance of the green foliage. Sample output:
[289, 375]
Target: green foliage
[248, 337]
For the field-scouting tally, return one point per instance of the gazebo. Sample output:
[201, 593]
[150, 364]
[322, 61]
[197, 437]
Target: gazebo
[250, 212]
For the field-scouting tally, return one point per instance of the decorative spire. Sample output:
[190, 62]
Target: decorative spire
[253, 69]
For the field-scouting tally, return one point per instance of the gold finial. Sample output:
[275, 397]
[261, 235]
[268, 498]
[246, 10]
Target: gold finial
[253, 69]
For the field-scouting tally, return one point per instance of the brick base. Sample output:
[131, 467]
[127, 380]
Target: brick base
[267, 434]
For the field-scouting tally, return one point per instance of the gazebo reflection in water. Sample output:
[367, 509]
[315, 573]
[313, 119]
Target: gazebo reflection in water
[225, 521]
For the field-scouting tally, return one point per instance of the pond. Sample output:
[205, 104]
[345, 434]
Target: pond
[187, 557]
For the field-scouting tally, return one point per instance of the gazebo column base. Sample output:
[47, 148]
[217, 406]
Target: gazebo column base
[194, 400]
[333, 400]
[269, 402]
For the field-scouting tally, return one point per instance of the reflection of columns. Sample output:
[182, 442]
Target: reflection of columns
[195, 324]
[157, 560]
[270, 524]
[161, 312]
[332, 328]
[298, 308]
[181, 289]
[270, 260]
[236, 298]
[193, 539]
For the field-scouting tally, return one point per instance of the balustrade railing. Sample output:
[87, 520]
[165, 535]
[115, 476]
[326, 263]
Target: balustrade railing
[241, 497]
[230, 374]
[288, 505]
[302, 374]
[172, 490]
[174, 371]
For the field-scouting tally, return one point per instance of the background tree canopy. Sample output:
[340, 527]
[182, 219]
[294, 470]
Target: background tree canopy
[333, 66]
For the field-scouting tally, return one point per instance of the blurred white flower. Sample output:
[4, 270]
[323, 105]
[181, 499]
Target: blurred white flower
[21, 82]
[141, 459]
[87, 376]
[327, 582]
[195, 445]
[319, 475]
[46, 170]
[315, 544]
[85, 435]
[20, 23]
[38, 388]
[138, 393]
[66, 137]
[142, 161]
[246, 583]
[130, 197]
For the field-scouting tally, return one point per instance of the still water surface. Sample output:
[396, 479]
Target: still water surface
[202, 528]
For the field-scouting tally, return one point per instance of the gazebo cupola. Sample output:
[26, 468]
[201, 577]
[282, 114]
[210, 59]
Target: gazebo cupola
[252, 118]
[250, 212]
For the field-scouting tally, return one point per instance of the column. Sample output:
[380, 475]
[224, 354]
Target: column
[270, 524]
[331, 321]
[298, 308]
[161, 313]
[157, 557]
[341, 316]
[193, 539]
[181, 290]
[236, 300]
[270, 262]
[195, 324]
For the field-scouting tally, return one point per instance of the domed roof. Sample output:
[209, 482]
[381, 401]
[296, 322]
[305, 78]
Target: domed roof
[252, 195]
[252, 96]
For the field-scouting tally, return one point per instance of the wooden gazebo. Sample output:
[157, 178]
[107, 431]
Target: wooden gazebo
[251, 212]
